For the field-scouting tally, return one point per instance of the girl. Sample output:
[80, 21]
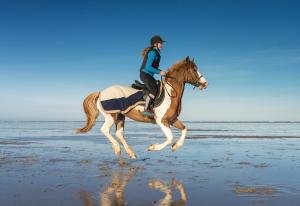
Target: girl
[149, 67]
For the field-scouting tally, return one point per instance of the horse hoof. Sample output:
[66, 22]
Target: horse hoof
[174, 147]
[133, 157]
[151, 147]
[118, 153]
[117, 150]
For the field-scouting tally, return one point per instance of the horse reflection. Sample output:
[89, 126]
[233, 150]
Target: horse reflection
[113, 194]
[167, 189]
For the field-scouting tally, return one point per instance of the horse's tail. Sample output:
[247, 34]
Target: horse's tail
[91, 111]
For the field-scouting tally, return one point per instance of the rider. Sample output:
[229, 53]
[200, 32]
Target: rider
[149, 67]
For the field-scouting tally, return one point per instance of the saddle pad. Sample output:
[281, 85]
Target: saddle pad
[120, 99]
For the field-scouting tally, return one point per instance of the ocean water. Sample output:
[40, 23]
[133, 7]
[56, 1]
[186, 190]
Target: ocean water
[221, 163]
[11, 129]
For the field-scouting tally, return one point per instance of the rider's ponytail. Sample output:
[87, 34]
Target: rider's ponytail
[145, 51]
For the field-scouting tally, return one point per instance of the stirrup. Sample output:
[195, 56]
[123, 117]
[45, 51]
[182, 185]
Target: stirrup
[148, 113]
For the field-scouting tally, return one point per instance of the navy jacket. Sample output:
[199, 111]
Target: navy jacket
[151, 62]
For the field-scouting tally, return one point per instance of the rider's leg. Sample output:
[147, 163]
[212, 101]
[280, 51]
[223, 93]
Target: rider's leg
[151, 86]
[149, 100]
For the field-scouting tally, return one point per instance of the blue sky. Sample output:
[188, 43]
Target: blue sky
[54, 53]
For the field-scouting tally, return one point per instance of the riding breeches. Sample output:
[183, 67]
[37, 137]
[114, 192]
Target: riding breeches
[150, 83]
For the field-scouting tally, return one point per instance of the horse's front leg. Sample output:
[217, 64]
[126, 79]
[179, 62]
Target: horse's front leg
[178, 124]
[165, 127]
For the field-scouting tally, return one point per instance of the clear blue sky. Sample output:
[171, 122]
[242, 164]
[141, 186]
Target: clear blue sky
[53, 53]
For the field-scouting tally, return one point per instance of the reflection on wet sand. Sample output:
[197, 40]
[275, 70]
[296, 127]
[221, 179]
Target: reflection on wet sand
[167, 189]
[113, 194]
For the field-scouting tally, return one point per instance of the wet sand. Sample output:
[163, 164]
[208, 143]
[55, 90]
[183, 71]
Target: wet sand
[83, 170]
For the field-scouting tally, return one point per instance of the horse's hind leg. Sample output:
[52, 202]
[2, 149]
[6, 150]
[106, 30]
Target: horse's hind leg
[119, 120]
[105, 129]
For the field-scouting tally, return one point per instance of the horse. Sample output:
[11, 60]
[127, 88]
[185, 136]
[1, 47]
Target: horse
[166, 114]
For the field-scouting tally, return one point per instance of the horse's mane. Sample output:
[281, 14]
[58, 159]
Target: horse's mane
[175, 71]
[176, 66]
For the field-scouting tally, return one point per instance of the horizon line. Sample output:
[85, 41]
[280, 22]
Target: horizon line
[190, 121]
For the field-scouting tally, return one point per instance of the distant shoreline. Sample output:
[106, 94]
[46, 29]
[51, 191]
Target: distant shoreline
[1, 121]
[196, 137]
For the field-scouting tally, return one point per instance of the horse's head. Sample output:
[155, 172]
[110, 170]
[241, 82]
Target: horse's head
[186, 71]
[192, 75]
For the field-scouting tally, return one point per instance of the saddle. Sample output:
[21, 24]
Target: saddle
[158, 98]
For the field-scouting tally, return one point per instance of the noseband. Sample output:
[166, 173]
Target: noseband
[198, 83]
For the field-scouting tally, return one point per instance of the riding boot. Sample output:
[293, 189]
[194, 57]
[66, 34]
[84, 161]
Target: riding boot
[147, 111]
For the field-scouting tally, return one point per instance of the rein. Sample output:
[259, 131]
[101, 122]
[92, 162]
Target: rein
[164, 85]
[196, 84]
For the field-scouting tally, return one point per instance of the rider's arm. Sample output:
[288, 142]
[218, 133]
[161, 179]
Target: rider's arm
[149, 67]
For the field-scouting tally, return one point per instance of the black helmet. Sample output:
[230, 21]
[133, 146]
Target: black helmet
[156, 39]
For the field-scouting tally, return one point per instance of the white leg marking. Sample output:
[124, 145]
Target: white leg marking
[180, 141]
[167, 131]
[105, 129]
[120, 135]
[159, 113]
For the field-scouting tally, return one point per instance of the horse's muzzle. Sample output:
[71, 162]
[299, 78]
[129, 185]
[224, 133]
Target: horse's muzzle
[203, 86]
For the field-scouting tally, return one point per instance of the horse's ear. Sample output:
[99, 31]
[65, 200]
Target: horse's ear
[187, 58]
[193, 60]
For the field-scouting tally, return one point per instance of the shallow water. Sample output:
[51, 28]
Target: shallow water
[10, 129]
[45, 163]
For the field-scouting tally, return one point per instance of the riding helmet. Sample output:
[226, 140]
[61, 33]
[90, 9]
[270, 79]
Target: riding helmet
[156, 39]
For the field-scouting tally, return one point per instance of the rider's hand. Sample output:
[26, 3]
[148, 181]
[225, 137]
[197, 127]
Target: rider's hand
[162, 73]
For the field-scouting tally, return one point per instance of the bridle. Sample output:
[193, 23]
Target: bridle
[164, 82]
[198, 83]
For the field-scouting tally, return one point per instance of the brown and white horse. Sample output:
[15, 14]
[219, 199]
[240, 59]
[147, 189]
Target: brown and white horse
[166, 114]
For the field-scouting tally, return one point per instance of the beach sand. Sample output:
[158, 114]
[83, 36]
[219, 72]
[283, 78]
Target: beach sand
[83, 170]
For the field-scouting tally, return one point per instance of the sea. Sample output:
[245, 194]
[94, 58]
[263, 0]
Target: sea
[196, 129]
[221, 163]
